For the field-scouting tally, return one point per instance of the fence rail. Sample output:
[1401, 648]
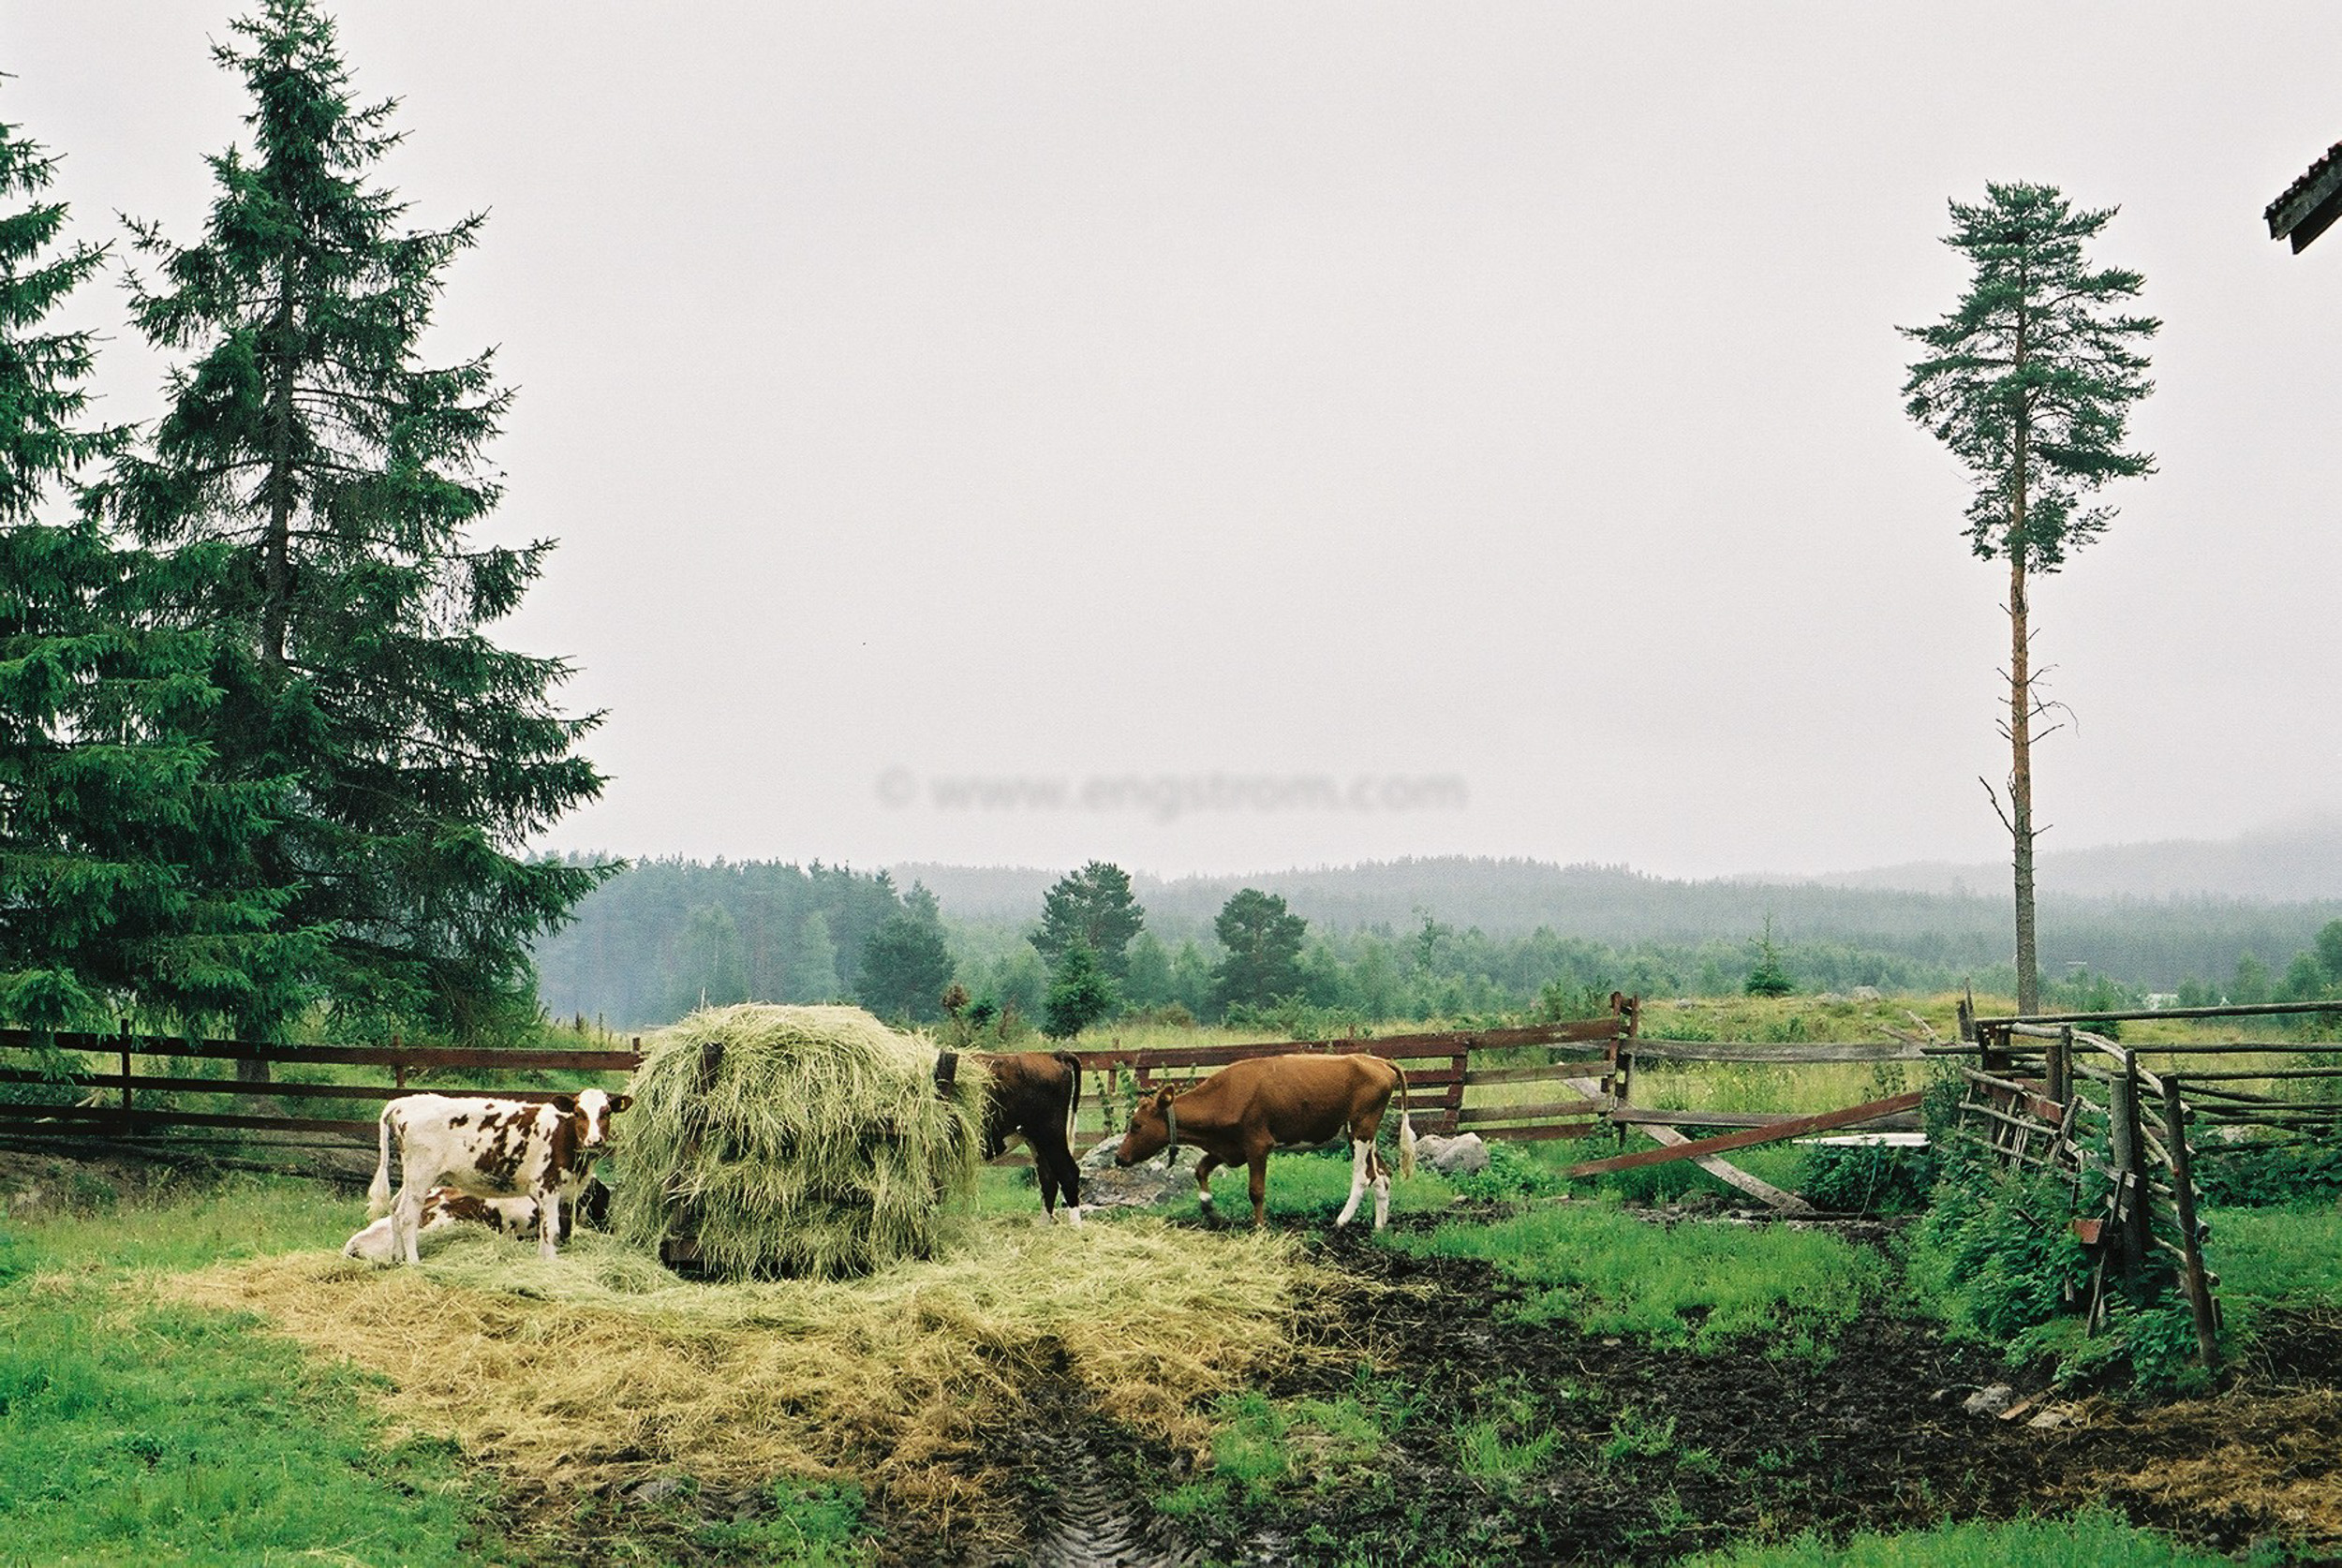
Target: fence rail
[140, 1103]
[2045, 1094]
[1564, 1079]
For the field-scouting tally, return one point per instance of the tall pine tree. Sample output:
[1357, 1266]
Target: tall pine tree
[1093, 908]
[127, 878]
[2030, 381]
[312, 488]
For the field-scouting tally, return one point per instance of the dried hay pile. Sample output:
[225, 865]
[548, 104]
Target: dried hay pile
[600, 1367]
[793, 1142]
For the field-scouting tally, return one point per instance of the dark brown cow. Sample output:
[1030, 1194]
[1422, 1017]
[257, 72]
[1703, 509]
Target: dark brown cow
[1244, 1110]
[1033, 1095]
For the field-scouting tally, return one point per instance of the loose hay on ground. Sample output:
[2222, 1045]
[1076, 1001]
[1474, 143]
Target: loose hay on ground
[793, 1141]
[600, 1367]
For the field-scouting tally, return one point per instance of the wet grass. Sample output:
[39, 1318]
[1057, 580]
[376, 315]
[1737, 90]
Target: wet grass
[136, 1431]
[2084, 1541]
[1597, 1268]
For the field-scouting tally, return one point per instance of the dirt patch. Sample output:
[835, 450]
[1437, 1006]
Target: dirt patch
[1656, 1454]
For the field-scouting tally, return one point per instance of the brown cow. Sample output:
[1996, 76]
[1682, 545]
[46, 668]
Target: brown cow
[1244, 1110]
[1033, 1095]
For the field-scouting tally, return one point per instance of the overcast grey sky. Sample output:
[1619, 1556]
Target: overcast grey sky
[1489, 409]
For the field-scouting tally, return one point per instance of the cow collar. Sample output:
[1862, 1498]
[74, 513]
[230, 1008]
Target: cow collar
[1171, 1124]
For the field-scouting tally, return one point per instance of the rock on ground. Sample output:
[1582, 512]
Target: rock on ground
[1451, 1157]
[1144, 1185]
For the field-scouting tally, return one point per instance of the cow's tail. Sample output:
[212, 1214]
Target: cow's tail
[1406, 1128]
[1074, 1100]
[378, 1196]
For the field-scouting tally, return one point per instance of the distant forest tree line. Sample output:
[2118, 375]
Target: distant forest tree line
[653, 943]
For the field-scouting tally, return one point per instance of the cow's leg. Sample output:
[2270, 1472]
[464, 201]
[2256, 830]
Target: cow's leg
[1361, 1161]
[1205, 1165]
[1044, 1175]
[1069, 1179]
[1260, 1189]
[1382, 1193]
[406, 1222]
[548, 1222]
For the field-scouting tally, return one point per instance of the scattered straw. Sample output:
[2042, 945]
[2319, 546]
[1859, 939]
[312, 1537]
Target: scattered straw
[793, 1141]
[601, 1366]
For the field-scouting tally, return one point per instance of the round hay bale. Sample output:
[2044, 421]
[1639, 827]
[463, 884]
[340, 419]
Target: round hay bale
[793, 1141]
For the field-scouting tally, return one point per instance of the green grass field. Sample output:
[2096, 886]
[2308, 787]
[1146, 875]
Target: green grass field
[135, 1429]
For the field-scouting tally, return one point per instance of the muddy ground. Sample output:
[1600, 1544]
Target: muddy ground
[1659, 1453]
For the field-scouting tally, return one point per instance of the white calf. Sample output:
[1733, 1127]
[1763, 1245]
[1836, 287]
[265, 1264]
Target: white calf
[444, 1209]
[490, 1148]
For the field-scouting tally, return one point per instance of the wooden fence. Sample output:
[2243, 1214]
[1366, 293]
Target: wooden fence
[55, 1090]
[2047, 1093]
[1565, 1079]
[1441, 1070]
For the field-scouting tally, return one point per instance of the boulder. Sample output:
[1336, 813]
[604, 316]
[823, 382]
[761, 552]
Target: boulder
[1453, 1156]
[1990, 1401]
[1144, 1185]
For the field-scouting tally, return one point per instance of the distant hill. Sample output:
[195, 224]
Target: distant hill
[665, 934]
[2155, 939]
[2295, 864]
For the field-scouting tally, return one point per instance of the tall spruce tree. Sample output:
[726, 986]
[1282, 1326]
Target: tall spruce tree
[1262, 965]
[127, 873]
[311, 489]
[2030, 381]
[1091, 907]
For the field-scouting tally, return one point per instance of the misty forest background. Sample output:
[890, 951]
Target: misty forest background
[1471, 939]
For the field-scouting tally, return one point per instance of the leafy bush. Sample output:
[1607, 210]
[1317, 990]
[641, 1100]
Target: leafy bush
[53, 1086]
[1860, 1179]
[1513, 1173]
[2268, 1175]
[1558, 999]
[1995, 1254]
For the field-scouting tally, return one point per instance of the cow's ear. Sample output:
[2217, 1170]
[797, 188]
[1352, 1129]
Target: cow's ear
[619, 1103]
[1162, 1098]
[565, 1103]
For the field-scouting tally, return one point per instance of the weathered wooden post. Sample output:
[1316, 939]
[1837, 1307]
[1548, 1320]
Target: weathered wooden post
[2060, 1055]
[126, 1073]
[2190, 1241]
[2123, 1140]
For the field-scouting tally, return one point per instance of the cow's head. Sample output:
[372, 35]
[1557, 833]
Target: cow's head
[590, 1113]
[1152, 1130]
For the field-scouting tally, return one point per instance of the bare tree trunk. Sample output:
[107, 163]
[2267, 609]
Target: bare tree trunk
[2021, 716]
[2021, 784]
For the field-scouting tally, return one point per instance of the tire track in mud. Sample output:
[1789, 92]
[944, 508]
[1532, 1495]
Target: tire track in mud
[1094, 1521]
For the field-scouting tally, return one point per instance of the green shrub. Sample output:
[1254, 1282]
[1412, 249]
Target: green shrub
[2268, 1175]
[1996, 1254]
[1866, 1178]
[1513, 1173]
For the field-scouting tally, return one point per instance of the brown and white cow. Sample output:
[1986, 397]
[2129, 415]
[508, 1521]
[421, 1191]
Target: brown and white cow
[444, 1209]
[1247, 1108]
[490, 1148]
[1033, 1095]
